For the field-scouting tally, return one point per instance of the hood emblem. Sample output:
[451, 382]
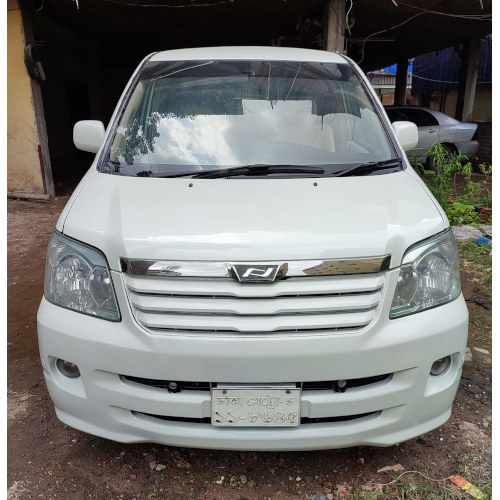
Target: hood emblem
[258, 273]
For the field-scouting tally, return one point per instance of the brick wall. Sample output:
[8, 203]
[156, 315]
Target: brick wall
[484, 138]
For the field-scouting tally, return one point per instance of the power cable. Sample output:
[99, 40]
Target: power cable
[432, 79]
[347, 18]
[383, 31]
[476, 17]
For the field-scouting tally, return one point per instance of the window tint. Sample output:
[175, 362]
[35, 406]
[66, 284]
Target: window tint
[421, 117]
[397, 115]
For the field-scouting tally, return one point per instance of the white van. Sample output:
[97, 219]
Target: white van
[251, 263]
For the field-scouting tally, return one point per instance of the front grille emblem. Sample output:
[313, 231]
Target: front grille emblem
[258, 273]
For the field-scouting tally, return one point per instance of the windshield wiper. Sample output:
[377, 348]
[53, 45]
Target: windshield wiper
[249, 170]
[366, 168]
[264, 169]
[189, 173]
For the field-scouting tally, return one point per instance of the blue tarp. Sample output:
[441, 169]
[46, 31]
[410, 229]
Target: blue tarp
[438, 71]
[392, 69]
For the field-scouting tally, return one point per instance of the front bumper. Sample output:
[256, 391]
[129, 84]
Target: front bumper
[102, 402]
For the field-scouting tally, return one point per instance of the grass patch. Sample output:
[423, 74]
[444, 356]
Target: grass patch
[479, 468]
[417, 486]
[429, 485]
[477, 321]
[477, 262]
[482, 337]
[480, 326]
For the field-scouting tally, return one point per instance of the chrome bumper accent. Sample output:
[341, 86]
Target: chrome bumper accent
[211, 269]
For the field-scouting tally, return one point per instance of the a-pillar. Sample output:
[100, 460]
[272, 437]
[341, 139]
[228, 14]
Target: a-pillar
[401, 78]
[468, 78]
[334, 26]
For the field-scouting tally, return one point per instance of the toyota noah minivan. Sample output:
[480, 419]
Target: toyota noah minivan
[251, 263]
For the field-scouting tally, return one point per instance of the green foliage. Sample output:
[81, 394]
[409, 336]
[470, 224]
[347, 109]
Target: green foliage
[442, 182]
[479, 193]
[421, 168]
[447, 162]
[460, 213]
[478, 254]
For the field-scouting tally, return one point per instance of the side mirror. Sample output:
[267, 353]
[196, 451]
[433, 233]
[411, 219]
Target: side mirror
[406, 134]
[88, 135]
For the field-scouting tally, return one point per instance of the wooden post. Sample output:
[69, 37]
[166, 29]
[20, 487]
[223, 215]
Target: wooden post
[467, 79]
[401, 78]
[334, 26]
[36, 92]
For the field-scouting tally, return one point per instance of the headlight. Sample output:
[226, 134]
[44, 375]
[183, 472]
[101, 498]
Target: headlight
[429, 276]
[77, 277]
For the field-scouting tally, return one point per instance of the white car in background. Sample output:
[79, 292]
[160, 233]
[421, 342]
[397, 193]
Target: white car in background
[434, 126]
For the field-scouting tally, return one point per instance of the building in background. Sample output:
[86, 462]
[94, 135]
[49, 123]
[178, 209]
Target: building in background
[435, 84]
[70, 60]
[28, 172]
[384, 83]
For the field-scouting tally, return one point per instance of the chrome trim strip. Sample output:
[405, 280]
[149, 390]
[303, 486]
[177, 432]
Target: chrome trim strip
[212, 269]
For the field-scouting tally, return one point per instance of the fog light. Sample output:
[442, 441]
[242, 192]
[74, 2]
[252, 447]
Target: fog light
[67, 368]
[440, 366]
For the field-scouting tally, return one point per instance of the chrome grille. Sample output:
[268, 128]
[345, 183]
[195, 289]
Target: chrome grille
[330, 304]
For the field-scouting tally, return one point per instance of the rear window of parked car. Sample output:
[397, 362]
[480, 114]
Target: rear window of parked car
[420, 117]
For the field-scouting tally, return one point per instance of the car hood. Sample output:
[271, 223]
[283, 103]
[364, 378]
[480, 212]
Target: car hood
[244, 219]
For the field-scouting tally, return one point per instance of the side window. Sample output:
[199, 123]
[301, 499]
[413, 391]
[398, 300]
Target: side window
[397, 115]
[421, 117]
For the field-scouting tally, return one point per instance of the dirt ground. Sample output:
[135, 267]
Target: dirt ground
[47, 459]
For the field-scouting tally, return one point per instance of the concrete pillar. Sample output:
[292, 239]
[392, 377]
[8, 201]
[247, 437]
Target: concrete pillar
[467, 79]
[401, 78]
[334, 26]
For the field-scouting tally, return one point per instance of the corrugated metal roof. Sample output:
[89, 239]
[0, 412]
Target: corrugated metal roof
[386, 80]
[438, 71]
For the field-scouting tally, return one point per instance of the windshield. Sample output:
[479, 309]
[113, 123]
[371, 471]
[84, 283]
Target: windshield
[195, 116]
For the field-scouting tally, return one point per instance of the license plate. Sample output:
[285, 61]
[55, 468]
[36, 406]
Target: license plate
[256, 407]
